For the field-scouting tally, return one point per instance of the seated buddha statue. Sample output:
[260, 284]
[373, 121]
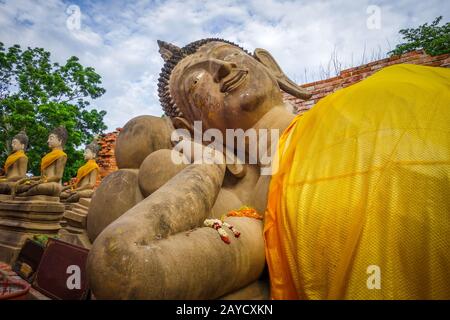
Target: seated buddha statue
[15, 166]
[83, 186]
[358, 185]
[52, 169]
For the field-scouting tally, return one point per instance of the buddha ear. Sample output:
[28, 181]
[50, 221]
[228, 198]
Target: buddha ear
[182, 123]
[286, 84]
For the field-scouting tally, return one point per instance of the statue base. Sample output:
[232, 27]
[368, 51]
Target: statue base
[4, 197]
[24, 217]
[74, 230]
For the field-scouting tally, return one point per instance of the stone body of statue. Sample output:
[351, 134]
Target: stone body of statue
[156, 249]
[361, 188]
[86, 179]
[52, 169]
[15, 166]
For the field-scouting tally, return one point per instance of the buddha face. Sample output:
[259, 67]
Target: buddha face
[54, 141]
[88, 154]
[17, 145]
[223, 87]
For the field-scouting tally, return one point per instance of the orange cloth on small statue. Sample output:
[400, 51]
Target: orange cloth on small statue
[84, 170]
[51, 157]
[12, 158]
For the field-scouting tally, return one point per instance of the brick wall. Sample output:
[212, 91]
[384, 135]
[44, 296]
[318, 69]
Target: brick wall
[105, 158]
[350, 76]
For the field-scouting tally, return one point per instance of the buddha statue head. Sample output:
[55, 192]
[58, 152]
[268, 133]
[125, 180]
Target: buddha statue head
[57, 138]
[91, 150]
[219, 83]
[19, 141]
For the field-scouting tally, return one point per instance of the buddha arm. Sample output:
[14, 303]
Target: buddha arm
[158, 249]
[36, 178]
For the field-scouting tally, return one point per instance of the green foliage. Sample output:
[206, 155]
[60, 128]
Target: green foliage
[42, 239]
[433, 39]
[37, 95]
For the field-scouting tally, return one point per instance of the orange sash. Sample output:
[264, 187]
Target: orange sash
[51, 157]
[85, 170]
[12, 158]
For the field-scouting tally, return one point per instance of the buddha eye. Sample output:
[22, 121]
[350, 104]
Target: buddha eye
[231, 56]
[195, 80]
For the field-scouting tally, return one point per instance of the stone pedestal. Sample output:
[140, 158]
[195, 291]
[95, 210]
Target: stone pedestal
[75, 218]
[4, 197]
[24, 217]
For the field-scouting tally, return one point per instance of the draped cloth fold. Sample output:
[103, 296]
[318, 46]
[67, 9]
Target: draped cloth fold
[12, 158]
[84, 170]
[51, 157]
[359, 208]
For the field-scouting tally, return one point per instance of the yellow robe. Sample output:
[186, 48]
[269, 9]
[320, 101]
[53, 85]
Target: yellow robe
[51, 157]
[84, 170]
[12, 158]
[359, 208]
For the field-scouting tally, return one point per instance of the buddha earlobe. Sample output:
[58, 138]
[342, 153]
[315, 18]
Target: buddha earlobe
[167, 50]
[284, 82]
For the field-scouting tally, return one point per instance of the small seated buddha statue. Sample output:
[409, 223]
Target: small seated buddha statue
[15, 166]
[52, 169]
[84, 184]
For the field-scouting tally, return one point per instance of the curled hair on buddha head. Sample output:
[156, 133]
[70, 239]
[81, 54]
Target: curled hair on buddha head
[61, 133]
[172, 55]
[93, 146]
[23, 138]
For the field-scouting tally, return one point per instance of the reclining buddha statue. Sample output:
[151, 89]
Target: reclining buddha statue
[15, 166]
[52, 169]
[358, 187]
[83, 186]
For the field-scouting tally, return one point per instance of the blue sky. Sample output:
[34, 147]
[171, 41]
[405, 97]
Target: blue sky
[118, 38]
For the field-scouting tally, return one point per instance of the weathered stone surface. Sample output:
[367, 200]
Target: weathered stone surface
[74, 230]
[117, 193]
[140, 137]
[4, 197]
[75, 219]
[85, 202]
[152, 175]
[75, 236]
[31, 206]
[20, 219]
[156, 237]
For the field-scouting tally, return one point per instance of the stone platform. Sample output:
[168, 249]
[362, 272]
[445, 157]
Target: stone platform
[24, 217]
[75, 222]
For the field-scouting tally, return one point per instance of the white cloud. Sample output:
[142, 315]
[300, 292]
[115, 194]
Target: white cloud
[119, 38]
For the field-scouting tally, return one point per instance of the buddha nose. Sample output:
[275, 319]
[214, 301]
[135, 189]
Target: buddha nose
[223, 68]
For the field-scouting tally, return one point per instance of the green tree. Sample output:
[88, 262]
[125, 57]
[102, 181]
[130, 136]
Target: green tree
[37, 95]
[433, 39]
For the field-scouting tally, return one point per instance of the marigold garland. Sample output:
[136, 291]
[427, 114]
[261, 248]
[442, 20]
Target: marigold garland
[245, 211]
